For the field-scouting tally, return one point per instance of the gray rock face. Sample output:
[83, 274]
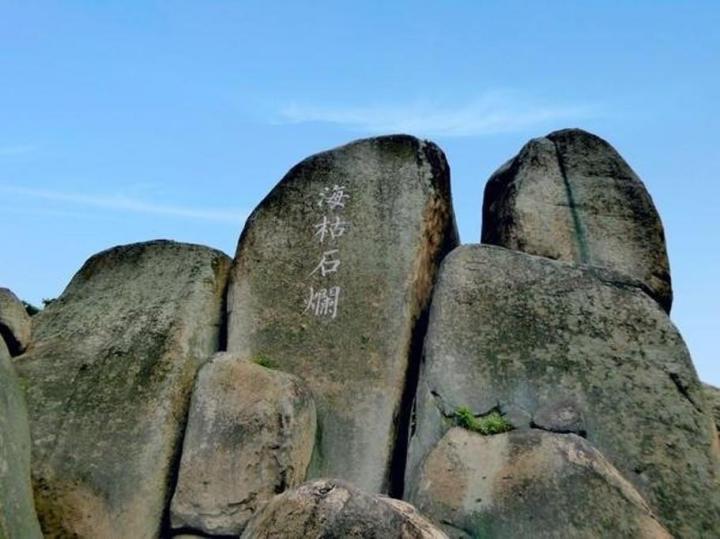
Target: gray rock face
[15, 323]
[552, 344]
[250, 436]
[17, 510]
[109, 381]
[570, 196]
[712, 398]
[332, 273]
[334, 509]
[528, 483]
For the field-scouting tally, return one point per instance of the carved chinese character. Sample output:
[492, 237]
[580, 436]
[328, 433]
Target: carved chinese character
[323, 302]
[334, 198]
[329, 263]
[333, 229]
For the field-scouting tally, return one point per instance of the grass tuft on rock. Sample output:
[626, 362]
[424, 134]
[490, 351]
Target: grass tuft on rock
[266, 362]
[492, 423]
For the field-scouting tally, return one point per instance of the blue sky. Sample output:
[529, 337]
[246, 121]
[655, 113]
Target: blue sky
[123, 121]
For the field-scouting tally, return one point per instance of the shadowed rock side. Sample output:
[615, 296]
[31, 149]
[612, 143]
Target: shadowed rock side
[334, 509]
[570, 196]
[109, 380]
[15, 323]
[528, 484]
[249, 437]
[333, 271]
[559, 347]
[17, 510]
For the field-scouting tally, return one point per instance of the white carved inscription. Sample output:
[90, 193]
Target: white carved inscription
[324, 300]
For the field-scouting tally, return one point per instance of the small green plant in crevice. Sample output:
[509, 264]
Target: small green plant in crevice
[492, 423]
[266, 362]
[30, 308]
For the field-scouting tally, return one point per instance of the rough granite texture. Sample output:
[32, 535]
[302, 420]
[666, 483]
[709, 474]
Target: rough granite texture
[534, 338]
[17, 510]
[528, 483]
[333, 509]
[250, 436]
[109, 380]
[570, 196]
[15, 323]
[712, 398]
[389, 202]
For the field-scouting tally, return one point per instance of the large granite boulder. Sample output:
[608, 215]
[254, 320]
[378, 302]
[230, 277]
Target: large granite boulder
[528, 483]
[333, 273]
[570, 349]
[250, 436]
[570, 196]
[335, 509]
[109, 380]
[17, 510]
[15, 323]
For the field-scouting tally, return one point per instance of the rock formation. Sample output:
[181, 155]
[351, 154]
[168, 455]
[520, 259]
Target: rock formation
[551, 345]
[17, 510]
[570, 196]
[250, 435]
[332, 274]
[15, 323]
[533, 386]
[109, 378]
[333, 508]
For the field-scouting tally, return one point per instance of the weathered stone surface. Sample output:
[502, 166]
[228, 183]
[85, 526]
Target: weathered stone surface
[15, 323]
[109, 380]
[570, 196]
[250, 436]
[563, 416]
[526, 335]
[17, 510]
[528, 484]
[394, 194]
[333, 509]
[712, 398]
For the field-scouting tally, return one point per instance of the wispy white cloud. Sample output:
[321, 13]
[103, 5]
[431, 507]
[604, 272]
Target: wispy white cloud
[126, 204]
[492, 113]
[17, 149]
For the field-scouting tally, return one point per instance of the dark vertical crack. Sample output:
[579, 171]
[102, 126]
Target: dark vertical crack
[580, 236]
[398, 461]
[224, 318]
[12, 343]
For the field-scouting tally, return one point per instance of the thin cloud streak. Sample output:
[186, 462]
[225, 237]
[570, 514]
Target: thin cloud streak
[491, 114]
[122, 203]
[19, 149]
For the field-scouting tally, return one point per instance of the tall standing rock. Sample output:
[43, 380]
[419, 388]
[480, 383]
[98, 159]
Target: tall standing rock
[15, 323]
[109, 381]
[250, 436]
[332, 275]
[570, 196]
[569, 349]
[17, 510]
